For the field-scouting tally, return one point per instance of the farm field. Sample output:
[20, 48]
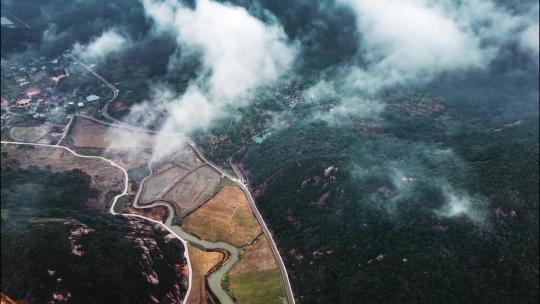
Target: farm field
[28, 134]
[86, 133]
[156, 185]
[226, 217]
[195, 189]
[256, 279]
[186, 158]
[105, 178]
[201, 263]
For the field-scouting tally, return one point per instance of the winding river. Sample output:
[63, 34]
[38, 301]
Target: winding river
[214, 279]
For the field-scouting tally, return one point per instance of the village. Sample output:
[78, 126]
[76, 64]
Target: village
[47, 90]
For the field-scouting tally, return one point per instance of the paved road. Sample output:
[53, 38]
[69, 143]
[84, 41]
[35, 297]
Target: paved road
[262, 223]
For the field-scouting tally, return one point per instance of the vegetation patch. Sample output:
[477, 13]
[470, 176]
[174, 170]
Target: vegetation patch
[256, 277]
[258, 287]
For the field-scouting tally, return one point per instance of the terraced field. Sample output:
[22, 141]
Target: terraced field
[195, 189]
[156, 185]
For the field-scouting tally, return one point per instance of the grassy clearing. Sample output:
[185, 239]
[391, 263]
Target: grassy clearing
[262, 287]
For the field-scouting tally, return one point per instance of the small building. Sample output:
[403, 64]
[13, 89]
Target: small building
[91, 98]
[24, 102]
[80, 104]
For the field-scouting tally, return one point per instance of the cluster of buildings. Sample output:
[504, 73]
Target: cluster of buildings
[36, 95]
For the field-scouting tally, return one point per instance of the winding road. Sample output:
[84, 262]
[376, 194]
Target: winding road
[116, 197]
[215, 278]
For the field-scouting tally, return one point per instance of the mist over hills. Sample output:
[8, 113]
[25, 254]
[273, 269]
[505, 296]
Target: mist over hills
[401, 162]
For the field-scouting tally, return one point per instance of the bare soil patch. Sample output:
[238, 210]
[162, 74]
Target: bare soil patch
[187, 159]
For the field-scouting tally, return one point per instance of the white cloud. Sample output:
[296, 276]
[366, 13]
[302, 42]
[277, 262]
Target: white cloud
[51, 35]
[110, 41]
[346, 94]
[406, 42]
[529, 40]
[239, 52]
[409, 36]
[413, 40]
[461, 206]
